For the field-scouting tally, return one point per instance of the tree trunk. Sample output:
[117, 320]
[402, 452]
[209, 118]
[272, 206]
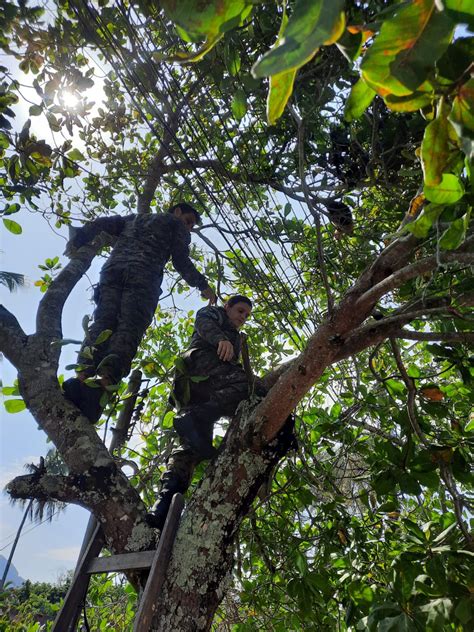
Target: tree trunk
[202, 560]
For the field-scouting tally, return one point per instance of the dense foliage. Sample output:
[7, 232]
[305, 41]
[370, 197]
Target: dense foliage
[370, 104]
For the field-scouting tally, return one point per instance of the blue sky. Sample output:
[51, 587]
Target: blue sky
[49, 549]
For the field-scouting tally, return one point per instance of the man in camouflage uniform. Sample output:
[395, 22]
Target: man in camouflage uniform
[128, 292]
[213, 354]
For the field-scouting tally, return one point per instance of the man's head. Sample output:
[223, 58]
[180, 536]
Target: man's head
[187, 214]
[238, 309]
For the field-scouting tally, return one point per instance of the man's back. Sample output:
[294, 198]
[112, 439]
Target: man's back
[147, 241]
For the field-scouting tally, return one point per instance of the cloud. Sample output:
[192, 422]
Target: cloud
[17, 468]
[62, 554]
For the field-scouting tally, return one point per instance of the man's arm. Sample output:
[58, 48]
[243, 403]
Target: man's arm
[183, 264]
[87, 233]
[208, 325]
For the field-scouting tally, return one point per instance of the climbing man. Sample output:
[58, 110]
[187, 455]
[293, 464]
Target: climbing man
[213, 356]
[128, 292]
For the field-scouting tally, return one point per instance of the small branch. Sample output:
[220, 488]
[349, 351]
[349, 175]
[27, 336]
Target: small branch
[120, 432]
[313, 211]
[374, 430]
[466, 337]
[445, 469]
[410, 384]
[12, 337]
[46, 487]
[413, 270]
[157, 168]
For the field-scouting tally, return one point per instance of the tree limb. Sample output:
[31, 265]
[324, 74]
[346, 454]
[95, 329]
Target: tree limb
[12, 337]
[466, 337]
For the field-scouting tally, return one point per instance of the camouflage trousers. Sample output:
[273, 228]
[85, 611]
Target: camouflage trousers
[226, 386]
[126, 300]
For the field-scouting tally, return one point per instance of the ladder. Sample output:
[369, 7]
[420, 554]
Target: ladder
[156, 561]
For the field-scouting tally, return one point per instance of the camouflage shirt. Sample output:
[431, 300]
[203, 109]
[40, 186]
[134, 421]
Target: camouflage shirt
[146, 241]
[210, 327]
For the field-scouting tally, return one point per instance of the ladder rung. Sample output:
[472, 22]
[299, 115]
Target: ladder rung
[123, 562]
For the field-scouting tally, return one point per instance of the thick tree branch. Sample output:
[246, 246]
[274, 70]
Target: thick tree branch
[411, 271]
[46, 487]
[12, 337]
[49, 315]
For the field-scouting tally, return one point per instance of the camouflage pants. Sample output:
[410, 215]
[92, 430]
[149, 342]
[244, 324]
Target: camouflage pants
[216, 397]
[126, 300]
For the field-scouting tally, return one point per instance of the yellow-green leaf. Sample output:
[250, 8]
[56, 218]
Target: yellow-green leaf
[206, 19]
[360, 98]
[405, 51]
[448, 191]
[421, 226]
[14, 405]
[409, 103]
[75, 155]
[435, 149]
[12, 226]
[312, 24]
[281, 87]
[239, 104]
[462, 114]
[453, 236]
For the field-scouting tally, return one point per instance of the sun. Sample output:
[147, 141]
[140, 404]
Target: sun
[69, 99]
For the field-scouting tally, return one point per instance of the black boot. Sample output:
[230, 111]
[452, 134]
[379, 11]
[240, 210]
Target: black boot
[86, 398]
[191, 427]
[156, 517]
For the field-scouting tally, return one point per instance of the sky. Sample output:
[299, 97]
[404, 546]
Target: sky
[46, 551]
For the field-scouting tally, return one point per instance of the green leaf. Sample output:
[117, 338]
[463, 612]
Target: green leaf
[435, 149]
[232, 60]
[462, 114]
[301, 563]
[409, 485]
[103, 336]
[384, 482]
[408, 103]
[312, 24]
[461, 10]
[448, 191]
[75, 155]
[469, 427]
[168, 419]
[463, 610]
[453, 236]
[360, 98]
[455, 61]
[402, 56]
[239, 104]
[439, 613]
[65, 341]
[395, 387]
[402, 623]
[12, 226]
[281, 87]
[14, 405]
[35, 110]
[207, 19]
[421, 226]
[350, 45]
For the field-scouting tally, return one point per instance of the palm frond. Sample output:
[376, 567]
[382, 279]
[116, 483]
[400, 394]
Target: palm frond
[12, 280]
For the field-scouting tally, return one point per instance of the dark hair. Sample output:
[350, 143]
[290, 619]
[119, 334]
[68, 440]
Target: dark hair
[186, 209]
[238, 298]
